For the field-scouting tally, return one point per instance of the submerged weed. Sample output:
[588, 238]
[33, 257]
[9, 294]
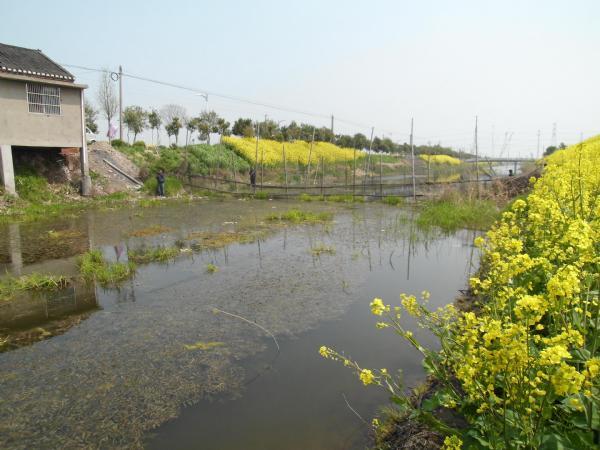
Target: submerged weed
[319, 249]
[211, 268]
[150, 231]
[203, 345]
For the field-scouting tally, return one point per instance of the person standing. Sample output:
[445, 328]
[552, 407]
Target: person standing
[160, 183]
[253, 178]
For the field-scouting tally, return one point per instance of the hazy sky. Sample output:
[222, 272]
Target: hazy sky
[521, 66]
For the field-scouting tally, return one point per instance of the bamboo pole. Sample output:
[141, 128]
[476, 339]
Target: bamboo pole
[380, 175]
[309, 156]
[233, 171]
[412, 151]
[285, 168]
[322, 174]
[354, 176]
[262, 166]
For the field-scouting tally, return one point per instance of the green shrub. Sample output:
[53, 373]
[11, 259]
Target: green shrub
[139, 144]
[118, 143]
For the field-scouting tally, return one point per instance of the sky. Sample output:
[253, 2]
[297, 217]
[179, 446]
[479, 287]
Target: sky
[519, 66]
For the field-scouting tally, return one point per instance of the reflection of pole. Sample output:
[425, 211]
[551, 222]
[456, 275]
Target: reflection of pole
[412, 151]
[14, 246]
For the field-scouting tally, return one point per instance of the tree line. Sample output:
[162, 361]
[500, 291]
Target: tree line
[174, 118]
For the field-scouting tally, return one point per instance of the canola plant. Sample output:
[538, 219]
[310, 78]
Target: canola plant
[523, 366]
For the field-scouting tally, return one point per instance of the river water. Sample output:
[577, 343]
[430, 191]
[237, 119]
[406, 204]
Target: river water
[182, 358]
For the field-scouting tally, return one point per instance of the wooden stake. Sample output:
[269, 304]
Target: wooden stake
[285, 168]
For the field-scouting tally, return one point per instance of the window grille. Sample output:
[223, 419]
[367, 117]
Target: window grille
[43, 99]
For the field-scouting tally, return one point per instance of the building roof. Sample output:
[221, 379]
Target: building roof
[33, 63]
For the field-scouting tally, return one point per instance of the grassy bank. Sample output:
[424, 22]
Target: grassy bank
[523, 369]
[456, 213]
[199, 158]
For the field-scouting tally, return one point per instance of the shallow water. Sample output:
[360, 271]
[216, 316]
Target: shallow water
[125, 378]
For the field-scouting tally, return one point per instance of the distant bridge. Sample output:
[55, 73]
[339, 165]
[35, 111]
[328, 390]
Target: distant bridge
[499, 160]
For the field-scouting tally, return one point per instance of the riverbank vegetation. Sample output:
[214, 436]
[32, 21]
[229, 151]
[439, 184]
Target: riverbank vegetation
[451, 214]
[522, 368]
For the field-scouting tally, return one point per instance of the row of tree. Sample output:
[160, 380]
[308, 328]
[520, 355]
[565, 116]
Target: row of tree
[174, 118]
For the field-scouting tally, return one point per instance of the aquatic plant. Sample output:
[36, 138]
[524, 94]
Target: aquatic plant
[211, 268]
[203, 345]
[299, 216]
[153, 254]
[319, 249]
[94, 267]
[523, 368]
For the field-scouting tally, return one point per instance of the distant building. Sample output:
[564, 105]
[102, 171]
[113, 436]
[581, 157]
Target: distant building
[41, 107]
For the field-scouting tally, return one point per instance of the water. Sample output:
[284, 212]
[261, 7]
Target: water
[123, 376]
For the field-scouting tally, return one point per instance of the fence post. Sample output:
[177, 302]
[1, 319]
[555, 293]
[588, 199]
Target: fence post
[380, 175]
[354, 176]
[262, 166]
[233, 170]
[322, 174]
[285, 168]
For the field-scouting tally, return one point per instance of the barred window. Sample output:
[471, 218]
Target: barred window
[43, 99]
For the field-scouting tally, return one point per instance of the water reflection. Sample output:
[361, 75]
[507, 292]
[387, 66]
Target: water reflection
[129, 368]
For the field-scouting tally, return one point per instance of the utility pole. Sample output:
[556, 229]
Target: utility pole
[120, 103]
[538, 144]
[412, 152]
[333, 135]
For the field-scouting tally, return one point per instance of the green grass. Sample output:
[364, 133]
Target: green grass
[392, 200]
[451, 215]
[202, 158]
[11, 286]
[342, 198]
[260, 195]
[173, 186]
[299, 216]
[93, 267]
[149, 255]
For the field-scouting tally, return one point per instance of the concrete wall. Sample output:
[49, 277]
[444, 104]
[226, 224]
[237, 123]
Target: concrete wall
[19, 127]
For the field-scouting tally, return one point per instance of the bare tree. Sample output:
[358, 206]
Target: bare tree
[174, 118]
[107, 97]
